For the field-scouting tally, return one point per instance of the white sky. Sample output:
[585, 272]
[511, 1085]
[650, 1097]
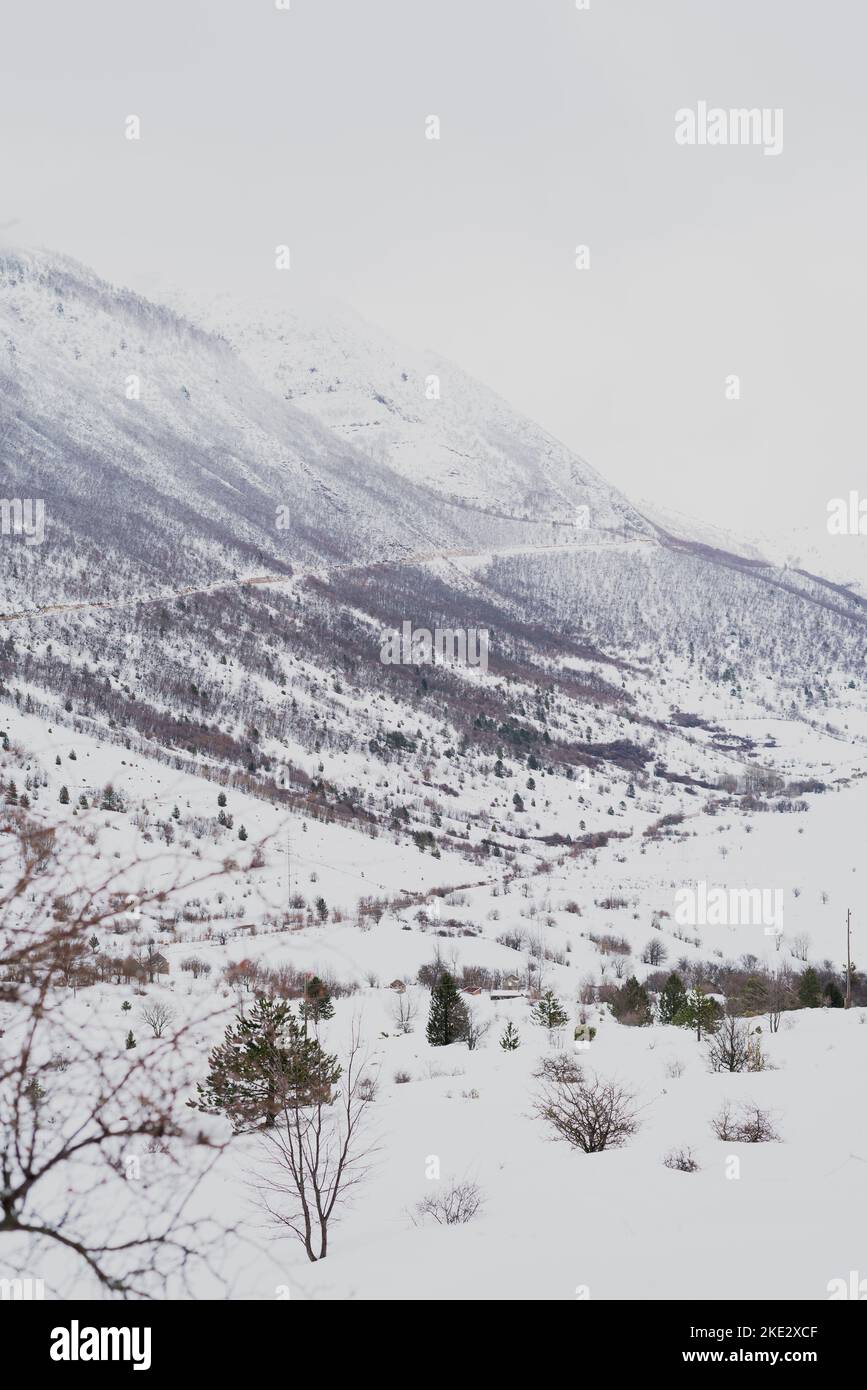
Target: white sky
[307, 127]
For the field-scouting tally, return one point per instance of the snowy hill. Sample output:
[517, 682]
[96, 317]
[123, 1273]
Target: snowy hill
[205, 763]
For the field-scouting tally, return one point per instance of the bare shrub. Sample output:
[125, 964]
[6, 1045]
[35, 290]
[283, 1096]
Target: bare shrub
[591, 1115]
[749, 1126]
[474, 1030]
[368, 1088]
[454, 1205]
[401, 1078]
[735, 1047]
[404, 1011]
[682, 1161]
[675, 1069]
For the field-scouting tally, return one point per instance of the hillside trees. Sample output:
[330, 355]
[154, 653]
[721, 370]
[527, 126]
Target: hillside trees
[315, 1154]
[699, 1011]
[672, 998]
[548, 1012]
[809, 989]
[265, 1063]
[631, 1004]
[447, 1019]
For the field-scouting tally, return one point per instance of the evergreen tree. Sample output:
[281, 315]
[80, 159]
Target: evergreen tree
[221, 799]
[242, 833]
[834, 995]
[671, 999]
[130, 1040]
[510, 1041]
[809, 989]
[64, 796]
[631, 1004]
[317, 1003]
[447, 1020]
[549, 1012]
[265, 1063]
[701, 1012]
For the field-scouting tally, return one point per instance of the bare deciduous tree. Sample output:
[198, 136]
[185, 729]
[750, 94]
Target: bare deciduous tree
[404, 1011]
[158, 1017]
[314, 1155]
[87, 1127]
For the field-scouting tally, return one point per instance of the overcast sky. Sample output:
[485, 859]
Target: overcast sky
[307, 127]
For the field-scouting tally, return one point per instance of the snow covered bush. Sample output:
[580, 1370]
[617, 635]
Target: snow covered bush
[591, 1115]
[750, 1126]
[681, 1161]
[454, 1205]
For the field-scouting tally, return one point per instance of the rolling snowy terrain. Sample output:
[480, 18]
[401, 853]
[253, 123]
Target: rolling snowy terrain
[239, 502]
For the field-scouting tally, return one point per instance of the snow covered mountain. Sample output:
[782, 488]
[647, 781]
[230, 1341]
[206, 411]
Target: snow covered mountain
[196, 720]
[414, 412]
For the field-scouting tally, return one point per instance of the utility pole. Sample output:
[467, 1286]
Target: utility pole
[848, 958]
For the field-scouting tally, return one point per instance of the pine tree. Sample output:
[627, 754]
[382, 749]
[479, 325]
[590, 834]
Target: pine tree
[221, 799]
[447, 1020]
[264, 1064]
[12, 794]
[701, 1012]
[834, 995]
[549, 1012]
[130, 1040]
[317, 1003]
[242, 833]
[671, 999]
[64, 796]
[631, 1004]
[510, 1040]
[809, 990]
